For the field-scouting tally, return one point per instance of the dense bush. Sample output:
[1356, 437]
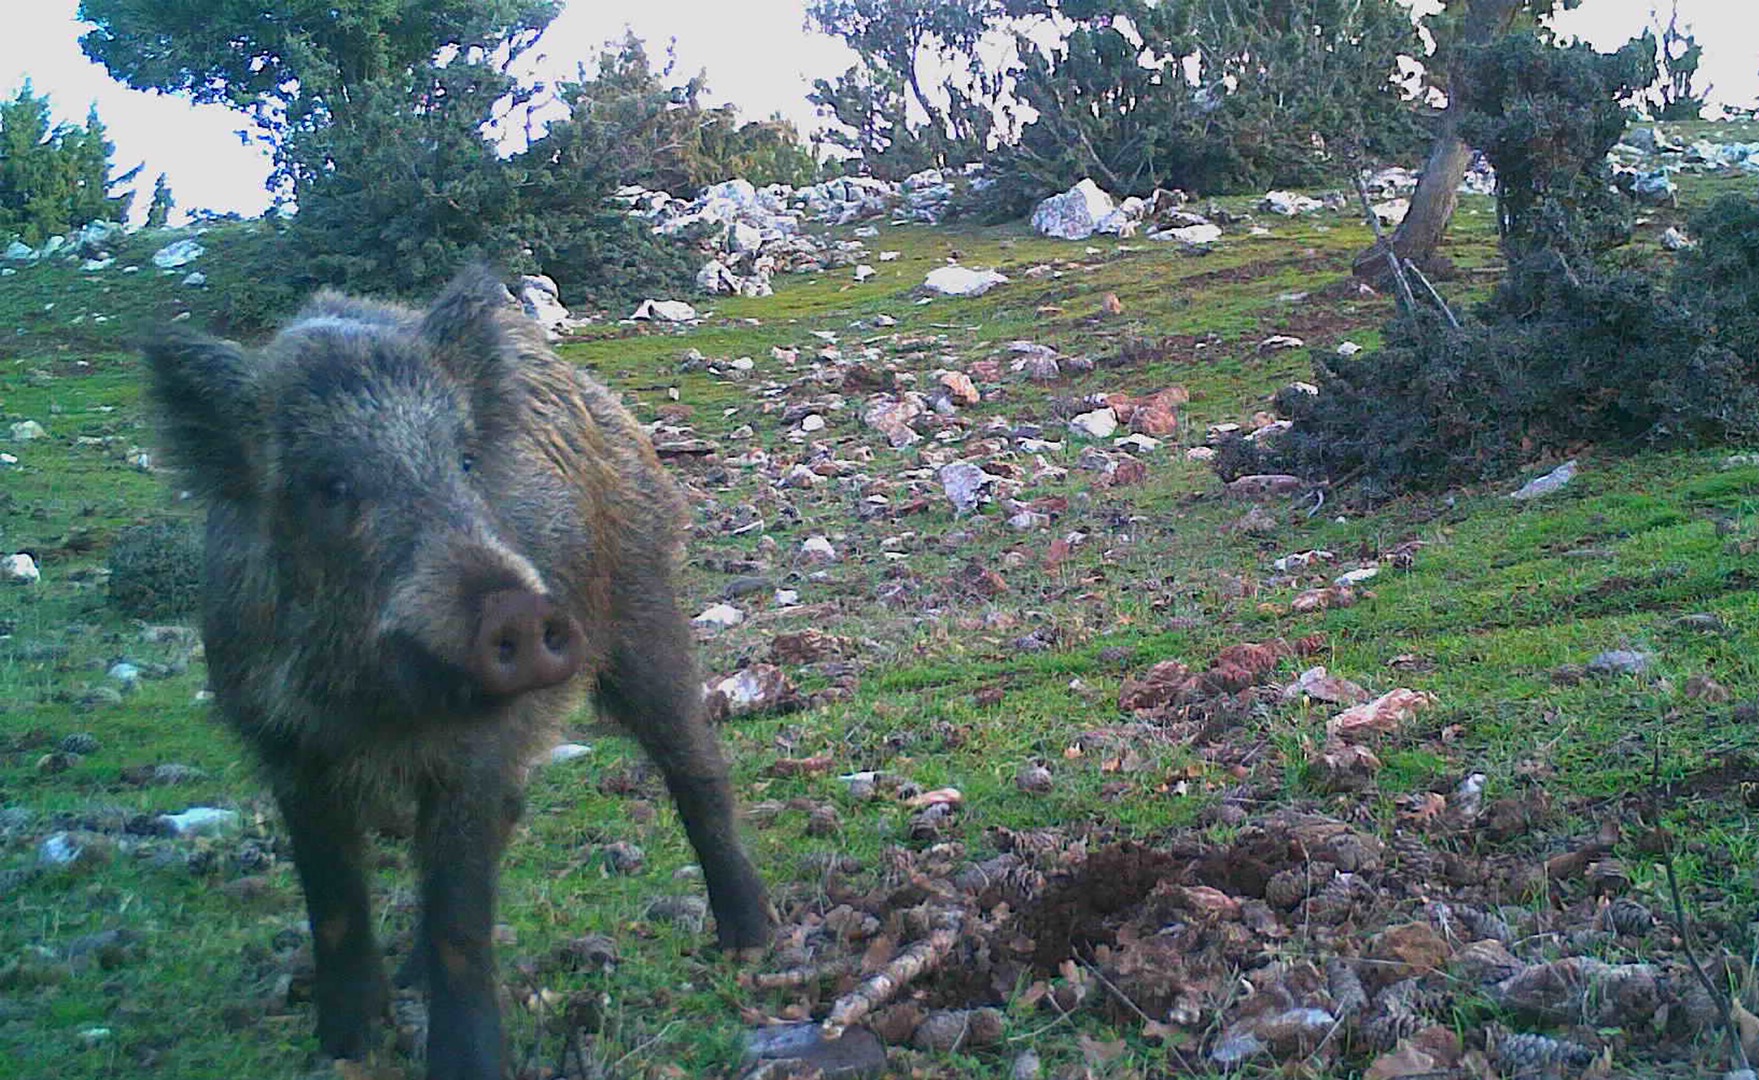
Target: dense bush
[1568, 350]
[156, 570]
[1276, 85]
[54, 177]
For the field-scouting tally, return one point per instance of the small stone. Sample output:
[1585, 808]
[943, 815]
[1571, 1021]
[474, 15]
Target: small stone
[818, 549]
[1545, 485]
[790, 1049]
[719, 617]
[960, 281]
[1098, 424]
[568, 751]
[199, 821]
[1034, 779]
[1619, 662]
[26, 430]
[19, 569]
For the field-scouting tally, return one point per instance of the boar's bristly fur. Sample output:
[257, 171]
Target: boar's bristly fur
[429, 540]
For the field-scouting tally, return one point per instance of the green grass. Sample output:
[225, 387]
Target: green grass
[1497, 600]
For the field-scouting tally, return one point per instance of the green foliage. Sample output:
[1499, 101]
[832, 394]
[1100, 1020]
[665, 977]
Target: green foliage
[294, 66]
[1673, 97]
[1720, 276]
[884, 109]
[1272, 86]
[396, 197]
[1567, 350]
[54, 177]
[159, 212]
[156, 570]
[1545, 117]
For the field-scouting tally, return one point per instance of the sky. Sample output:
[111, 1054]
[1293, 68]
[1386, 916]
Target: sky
[757, 53]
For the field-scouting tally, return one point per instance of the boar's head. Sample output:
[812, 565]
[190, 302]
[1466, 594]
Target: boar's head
[358, 466]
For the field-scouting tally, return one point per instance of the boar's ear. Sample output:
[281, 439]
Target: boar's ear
[204, 394]
[469, 330]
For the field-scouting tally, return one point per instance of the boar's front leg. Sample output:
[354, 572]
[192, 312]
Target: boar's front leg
[329, 852]
[462, 830]
[652, 689]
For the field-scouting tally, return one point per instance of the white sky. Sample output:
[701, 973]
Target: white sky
[757, 54]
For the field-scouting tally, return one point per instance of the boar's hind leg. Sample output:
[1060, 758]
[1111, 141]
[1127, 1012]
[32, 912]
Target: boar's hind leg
[328, 849]
[459, 838]
[652, 689]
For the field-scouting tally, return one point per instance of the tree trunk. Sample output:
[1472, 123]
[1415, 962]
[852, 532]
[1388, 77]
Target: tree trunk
[1419, 236]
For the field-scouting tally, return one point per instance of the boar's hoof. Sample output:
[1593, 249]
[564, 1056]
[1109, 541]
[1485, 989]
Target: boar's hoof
[524, 642]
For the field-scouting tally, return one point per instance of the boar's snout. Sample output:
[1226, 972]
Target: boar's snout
[524, 642]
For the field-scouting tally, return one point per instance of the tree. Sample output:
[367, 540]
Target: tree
[296, 66]
[903, 46]
[54, 177]
[1462, 24]
[1678, 55]
[1207, 95]
[159, 211]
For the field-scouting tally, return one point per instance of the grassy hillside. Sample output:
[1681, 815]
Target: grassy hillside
[1145, 924]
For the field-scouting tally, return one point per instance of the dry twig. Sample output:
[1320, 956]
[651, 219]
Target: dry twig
[908, 966]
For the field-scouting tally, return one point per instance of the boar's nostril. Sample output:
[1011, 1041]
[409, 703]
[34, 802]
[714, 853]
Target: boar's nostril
[507, 658]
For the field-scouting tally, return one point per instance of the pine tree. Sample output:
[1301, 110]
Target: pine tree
[159, 212]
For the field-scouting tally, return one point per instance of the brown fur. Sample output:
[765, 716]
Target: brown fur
[373, 474]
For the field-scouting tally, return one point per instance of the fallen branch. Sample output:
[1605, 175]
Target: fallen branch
[805, 975]
[1679, 911]
[880, 988]
[1411, 267]
[1406, 300]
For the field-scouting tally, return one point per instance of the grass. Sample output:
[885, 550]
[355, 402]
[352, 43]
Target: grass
[1497, 601]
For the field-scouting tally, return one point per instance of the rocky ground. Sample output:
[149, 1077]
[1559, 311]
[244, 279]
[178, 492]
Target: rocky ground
[1062, 758]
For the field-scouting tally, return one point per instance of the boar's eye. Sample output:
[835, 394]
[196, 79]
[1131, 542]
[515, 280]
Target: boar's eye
[334, 491]
[467, 462]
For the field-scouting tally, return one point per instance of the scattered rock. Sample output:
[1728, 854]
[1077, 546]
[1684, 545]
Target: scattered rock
[755, 689]
[19, 569]
[26, 430]
[178, 253]
[719, 617]
[1620, 662]
[664, 311]
[786, 1050]
[959, 281]
[1076, 214]
[199, 821]
[1547, 484]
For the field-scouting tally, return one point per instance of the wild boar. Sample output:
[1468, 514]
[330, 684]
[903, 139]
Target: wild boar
[428, 540]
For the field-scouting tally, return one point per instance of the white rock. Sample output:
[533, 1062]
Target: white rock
[1288, 204]
[1075, 214]
[97, 264]
[1200, 453]
[1098, 424]
[964, 484]
[18, 251]
[960, 281]
[818, 549]
[863, 272]
[1138, 442]
[812, 422]
[8, 461]
[1191, 234]
[665, 311]
[719, 617]
[1392, 211]
[199, 821]
[1358, 577]
[125, 673]
[195, 279]
[19, 569]
[542, 301]
[1675, 240]
[177, 253]
[568, 751]
[1545, 485]
[1348, 348]
[743, 237]
[1302, 559]
[58, 850]
[1280, 341]
[889, 256]
[26, 430]
[787, 597]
